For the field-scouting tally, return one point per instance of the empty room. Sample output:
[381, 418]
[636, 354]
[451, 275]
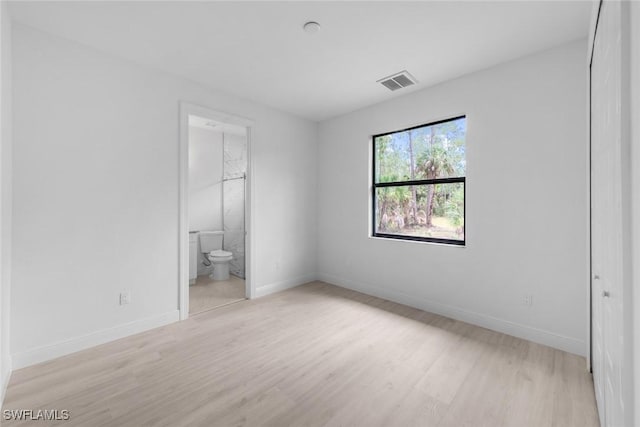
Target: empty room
[320, 213]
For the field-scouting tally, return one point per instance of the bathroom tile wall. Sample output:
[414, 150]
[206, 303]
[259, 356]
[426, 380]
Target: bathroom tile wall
[235, 155]
[205, 179]
[234, 169]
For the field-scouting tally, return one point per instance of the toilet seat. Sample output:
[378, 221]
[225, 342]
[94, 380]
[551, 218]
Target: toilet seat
[220, 253]
[220, 256]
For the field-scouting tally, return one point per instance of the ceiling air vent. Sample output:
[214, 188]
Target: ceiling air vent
[398, 80]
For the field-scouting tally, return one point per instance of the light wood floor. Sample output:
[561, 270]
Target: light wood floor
[315, 355]
[207, 293]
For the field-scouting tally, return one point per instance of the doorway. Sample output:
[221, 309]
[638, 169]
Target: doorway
[214, 210]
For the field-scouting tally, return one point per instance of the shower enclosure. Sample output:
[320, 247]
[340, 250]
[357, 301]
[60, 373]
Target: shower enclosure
[233, 199]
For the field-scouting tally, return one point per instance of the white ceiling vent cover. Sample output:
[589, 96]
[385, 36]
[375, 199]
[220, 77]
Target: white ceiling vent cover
[398, 80]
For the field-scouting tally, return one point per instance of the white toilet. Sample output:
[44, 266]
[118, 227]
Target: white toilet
[211, 247]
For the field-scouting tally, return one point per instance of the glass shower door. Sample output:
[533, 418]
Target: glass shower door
[233, 199]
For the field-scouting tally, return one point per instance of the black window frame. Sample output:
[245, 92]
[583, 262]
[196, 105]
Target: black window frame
[451, 180]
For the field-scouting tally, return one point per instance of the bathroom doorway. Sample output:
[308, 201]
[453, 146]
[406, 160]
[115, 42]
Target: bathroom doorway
[214, 176]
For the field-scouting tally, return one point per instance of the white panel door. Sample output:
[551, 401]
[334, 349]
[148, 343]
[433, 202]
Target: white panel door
[606, 216]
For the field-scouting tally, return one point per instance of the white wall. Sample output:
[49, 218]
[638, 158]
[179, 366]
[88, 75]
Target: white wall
[5, 195]
[526, 198]
[96, 195]
[205, 179]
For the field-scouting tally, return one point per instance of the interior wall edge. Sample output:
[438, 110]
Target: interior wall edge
[551, 339]
[6, 193]
[6, 377]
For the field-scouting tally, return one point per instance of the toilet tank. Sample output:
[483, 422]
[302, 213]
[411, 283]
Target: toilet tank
[211, 241]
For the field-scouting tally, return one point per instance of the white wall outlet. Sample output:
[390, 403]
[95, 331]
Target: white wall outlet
[125, 297]
[527, 300]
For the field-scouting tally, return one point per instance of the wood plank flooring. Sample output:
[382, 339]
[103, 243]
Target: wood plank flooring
[207, 293]
[315, 355]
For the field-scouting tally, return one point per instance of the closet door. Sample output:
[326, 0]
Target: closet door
[606, 216]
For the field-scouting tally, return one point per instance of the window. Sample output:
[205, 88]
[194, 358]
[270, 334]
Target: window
[419, 183]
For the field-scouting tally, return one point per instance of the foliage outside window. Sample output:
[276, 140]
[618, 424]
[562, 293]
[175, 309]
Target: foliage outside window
[419, 183]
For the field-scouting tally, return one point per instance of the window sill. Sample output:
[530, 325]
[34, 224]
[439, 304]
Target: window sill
[400, 239]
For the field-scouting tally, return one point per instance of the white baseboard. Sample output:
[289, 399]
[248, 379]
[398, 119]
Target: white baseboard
[62, 348]
[551, 339]
[281, 286]
[6, 376]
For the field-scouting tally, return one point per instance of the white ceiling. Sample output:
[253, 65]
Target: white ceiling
[258, 51]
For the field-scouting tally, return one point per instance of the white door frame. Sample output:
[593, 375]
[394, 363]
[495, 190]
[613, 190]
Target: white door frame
[187, 109]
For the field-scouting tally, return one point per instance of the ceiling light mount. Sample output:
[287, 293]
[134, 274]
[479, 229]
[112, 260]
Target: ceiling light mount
[311, 27]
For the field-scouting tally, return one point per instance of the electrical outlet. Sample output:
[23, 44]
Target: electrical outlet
[528, 300]
[125, 297]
